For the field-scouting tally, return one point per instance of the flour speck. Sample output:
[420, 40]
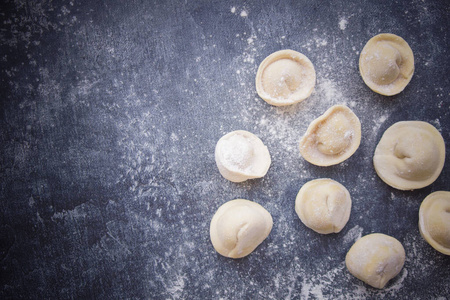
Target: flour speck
[343, 23]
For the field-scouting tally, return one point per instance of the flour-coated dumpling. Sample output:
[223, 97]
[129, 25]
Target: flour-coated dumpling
[323, 205]
[375, 259]
[285, 77]
[238, 227]
[241, 155]
[410, 155]
[331, 138]
[434, 221]
[386, 64]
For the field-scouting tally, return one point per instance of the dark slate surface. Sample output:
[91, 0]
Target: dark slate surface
[110, 112]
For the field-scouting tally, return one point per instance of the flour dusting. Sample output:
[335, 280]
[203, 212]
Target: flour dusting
[353, 235]
[343, 23]
[143, 107]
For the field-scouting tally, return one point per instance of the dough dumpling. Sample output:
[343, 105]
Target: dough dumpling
[386, 64]
[238, 227]
[241, 155]
[285, 77]
[410, 155]
[331, 138]
[375, 259]
[323, 205]
[434, 221]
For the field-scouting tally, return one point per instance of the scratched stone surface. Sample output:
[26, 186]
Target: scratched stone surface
[110, 112]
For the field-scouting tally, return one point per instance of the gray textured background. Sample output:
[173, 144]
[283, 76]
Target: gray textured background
[110, 112]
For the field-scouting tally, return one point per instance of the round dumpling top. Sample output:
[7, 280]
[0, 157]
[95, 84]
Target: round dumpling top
[410, 155]
[386, 64]
[434, 221]
[323, 205]
[285, 77]
[375, 259]
[241, 155]
[331, 138]
[238, 227]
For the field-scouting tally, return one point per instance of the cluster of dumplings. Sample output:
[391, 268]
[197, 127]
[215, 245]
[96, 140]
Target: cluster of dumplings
[410, 155]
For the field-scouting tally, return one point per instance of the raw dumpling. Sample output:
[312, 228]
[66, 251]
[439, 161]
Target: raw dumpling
[241, 155]
[375, 259]
[410, 155]
[323, 205]
[386, 64]
[285, 77]
[434, 221]
[238, 227]
[331, 138]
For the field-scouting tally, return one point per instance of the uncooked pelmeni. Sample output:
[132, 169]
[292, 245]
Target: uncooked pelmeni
[285, 77]
[238, 227]
[375, 259]
[323, 205]
[386, 64]
[331, 138]
[241, 155]
[434, 221]
[410, 155]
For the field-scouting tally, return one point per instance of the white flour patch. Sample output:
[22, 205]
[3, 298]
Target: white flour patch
[437, 123]
[309, 289]
[320, 42]
[174, 137]
[343, 23]
[176, 286]
[377, 124]
[317, 284]
[65, 10]
[329, 92]
[382, 119]
[353, 235]
[398, 282]
[76, 213]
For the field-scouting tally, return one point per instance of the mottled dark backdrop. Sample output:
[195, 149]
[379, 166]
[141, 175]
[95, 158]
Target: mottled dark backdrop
[110, 112]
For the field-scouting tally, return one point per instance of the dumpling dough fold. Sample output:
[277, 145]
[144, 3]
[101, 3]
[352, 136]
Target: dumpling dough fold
[434, 221]
[323, 205]
[331, 138]
[241, 155]
[375, 259]
[386, 64]
[285, 77]
[238, 227]
[410, 155]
